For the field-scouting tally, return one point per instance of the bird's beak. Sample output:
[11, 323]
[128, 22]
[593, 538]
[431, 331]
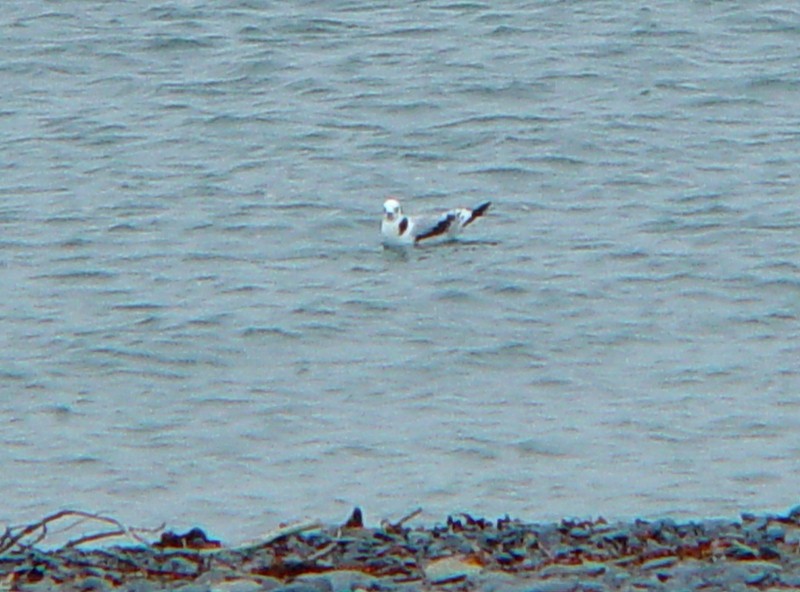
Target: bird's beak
[390, 216]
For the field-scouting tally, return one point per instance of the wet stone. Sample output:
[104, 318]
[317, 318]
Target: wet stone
[660, 563]
[297, 587]
[741, 551]
[347, 580]
[761, 578]
[141, 585]
[94, 584]
[551, 586]
[241, 585]
[648, 584]
[180, 565]
[582, 570]
[579, 533]
[775, 532]
[792, 536]
[449, 569]
[790, 580]
[769, 553]
[318, 582]
[794, 515]
[193, 587]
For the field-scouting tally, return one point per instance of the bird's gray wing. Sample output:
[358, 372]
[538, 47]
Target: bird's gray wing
[430, 226]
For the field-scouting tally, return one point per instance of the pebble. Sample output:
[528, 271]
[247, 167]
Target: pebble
[450, 569]
[93, 584]
[660, 563]
[775, 532]
[794, 515]
[348, 580]
[741, 552]
[242, 585]
[297, 587]
[581, 570]
[320, 583]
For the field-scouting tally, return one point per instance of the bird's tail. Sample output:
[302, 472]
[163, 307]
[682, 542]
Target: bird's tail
[478, 212]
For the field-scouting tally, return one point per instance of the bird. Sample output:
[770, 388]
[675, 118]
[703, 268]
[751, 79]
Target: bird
[401, 230]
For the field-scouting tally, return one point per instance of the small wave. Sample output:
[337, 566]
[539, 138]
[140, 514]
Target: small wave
[534, 447]
[462, 6]
[205, 257]
[314, 26]
[67, 219]
[274, 331]
[164, 43]
[453, 295]
[555, 159]
[510, 290]
[213, 321]
[12, 375]
[725, 100]
[138, 306]
[369, 305]
[80, 460]
[74, 243]
[505, 171]
[409, 32]
[479, 453]
[492, 120]
[78, 275]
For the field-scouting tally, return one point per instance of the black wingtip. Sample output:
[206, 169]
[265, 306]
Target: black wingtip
[477, 212]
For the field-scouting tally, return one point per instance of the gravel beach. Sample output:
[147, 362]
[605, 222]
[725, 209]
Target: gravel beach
[756, 552]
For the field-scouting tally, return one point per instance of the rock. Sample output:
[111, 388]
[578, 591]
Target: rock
[761, 578]
[643, 584]
[193, 587]
[769, 553]
[93, 584]
[794, 515]
[579, 533]
[241, 585]
[180, 566]
[141, 585]
[297, 587]
[552, 586]
[775, 531]
[320, 583]
[356, 519]
[451, 569]
[581, 570]
[192, 539]
[345, 580]
[499, 581]
[792, 536]
[741, 551]
[659, 563]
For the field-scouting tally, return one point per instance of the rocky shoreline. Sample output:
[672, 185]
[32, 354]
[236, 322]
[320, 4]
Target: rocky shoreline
[462, 554]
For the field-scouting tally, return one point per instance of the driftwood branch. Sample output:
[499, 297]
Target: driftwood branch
[16, 536]
[396, 526]
[279, 533]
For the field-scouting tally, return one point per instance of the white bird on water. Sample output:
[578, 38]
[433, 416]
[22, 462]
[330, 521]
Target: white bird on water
[401, 230]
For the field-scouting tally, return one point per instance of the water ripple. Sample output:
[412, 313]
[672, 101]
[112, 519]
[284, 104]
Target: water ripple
[191, 262]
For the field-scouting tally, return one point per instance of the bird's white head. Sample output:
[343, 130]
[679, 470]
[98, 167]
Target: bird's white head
[391, 209]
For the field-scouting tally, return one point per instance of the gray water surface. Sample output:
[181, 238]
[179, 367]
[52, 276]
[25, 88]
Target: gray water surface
[199, 324]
